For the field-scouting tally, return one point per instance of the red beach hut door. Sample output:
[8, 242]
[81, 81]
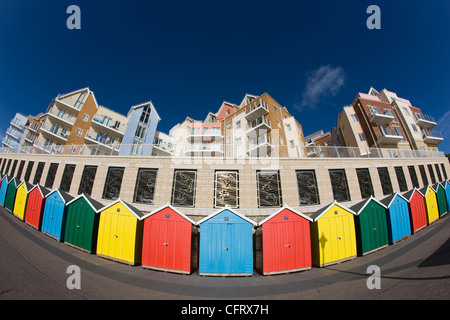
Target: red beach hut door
[419, 217]
[167, 242]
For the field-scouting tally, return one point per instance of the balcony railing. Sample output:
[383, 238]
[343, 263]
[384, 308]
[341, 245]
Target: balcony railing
[380, 116]
[425, 121]
[432, 136]
[180, 151]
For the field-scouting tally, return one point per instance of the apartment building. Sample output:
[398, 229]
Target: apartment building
[15, 134]
[261, 127]
[384, 120]
[32, 129]
[140, 130]
[68, 119]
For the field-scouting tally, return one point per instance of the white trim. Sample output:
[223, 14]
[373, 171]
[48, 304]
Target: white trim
[168, 205]
[229, 209]
[280, 210]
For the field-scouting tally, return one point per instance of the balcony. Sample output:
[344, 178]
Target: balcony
[432, 137]
[110, 128]
[256, 111]
[425, 121]
[205, 149]
[389, 136]
[61, 117]
[254, 128]
[380, 116]
[54, 133]
[209, 135]
[163, 149]
[260, 148]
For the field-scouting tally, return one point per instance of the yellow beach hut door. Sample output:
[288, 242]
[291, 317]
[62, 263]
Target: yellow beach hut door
[339, 242]
[117, 235]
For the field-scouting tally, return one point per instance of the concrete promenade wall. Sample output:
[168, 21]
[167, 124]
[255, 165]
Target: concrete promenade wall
[248, 203]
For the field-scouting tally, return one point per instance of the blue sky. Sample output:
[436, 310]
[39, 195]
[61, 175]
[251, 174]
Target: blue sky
[189, 56]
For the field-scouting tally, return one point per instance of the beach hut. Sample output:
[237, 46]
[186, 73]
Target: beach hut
[11, 194]
[417, 210]
[333, 237]
[370, 226]
[441, 198]
[55, 214]
[447, 192]
[170, 241]
[82, 223]
[397, 213]
[120, 233]
[20, 203]
[35, 206]
[3, 189]
[283, 242]
[226, 244]
[430, 203]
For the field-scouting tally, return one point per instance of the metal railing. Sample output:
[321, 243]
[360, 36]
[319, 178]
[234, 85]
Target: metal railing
[223, 151]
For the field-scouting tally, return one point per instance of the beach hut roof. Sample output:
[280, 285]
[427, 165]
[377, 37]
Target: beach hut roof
[64, 195]
[408, 195]
[43, 190]
[95, 205]
[359, 207]
[229, 209]
[8, 178]
[136, 212]
[425, 189]
[168, 205]
[28, 186]
[280, 210]
[316, 215]
[388, 200]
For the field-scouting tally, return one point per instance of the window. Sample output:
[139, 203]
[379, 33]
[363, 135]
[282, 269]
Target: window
[66, 179]
[288, 127]
[226, 189]
[145, 115]
[433, 177]
[183, 188]
[406, 111]
[79, 132]
[38, 174]
[145, 186]
[339, 185]
[87, 180]
[113, 183]
[136, 149]
[397, 131]
[238, 141]
[13, 169]
[423, 175]
[228, 124]
[385, 180]
[19, 172]
[438, 172]
[73, 148]
[413, 175]
[291, 142]
[414, 127]
[281, 141]
[275, 108]
[140, 132]
[279, 124]
[365, 182]
[307, 187]
[362, 136]
[86, 117]
[228, 112]
[28, 172]
[51, 175]
[269, 188]
[238, 124]
[354, 118]
[401, 179]
[80, 100]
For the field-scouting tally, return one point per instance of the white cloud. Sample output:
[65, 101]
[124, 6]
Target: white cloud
[443, 125]
[321, 83]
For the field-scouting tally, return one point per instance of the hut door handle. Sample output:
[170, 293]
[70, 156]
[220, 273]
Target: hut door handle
[225, 248]
[116, 236]
[78, 226]
[165, 243]
[287, 245]
[374, 229]
[339, 238]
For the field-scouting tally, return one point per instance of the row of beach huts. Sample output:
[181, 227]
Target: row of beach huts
[225, 243]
